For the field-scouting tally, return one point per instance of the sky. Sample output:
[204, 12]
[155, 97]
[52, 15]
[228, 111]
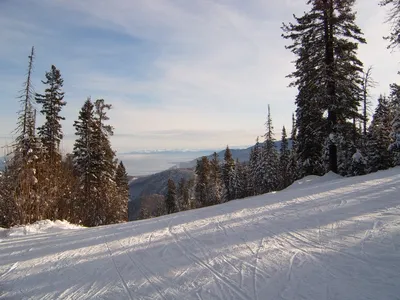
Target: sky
[195, 74]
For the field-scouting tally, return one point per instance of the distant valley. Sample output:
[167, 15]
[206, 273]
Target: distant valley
[157, 183]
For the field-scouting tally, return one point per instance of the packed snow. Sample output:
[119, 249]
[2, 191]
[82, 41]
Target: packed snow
[325, 238]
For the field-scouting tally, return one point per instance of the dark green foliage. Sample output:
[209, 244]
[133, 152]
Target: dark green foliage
[394, 19]
[394, 147]
[202, 187]
[284, 162]
[378, 142]
[256, 171]
[216, 185]
[293, 164]
[170, 199]
[95, 167]
[328, 77]
[228, 175]
[52, 102]
[183, 196]
[269, 160]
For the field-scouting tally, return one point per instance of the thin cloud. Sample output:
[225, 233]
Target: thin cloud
[175, 67]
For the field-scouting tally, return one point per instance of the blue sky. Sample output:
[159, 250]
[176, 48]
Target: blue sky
[179, 73]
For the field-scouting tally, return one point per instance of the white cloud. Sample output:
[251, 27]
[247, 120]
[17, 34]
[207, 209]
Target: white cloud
[216, 66]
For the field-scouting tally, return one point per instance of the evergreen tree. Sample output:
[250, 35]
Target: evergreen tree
[269, 159]
[284, 162]
[395, 130]
[84, 163]
[183, 195]
[23, 198]
[170, 199]
[328, 77]
[52, 102]
[358, 164]
[217, 190]
[241, 180]
[202, 186]
[394, 19]
[255, 169]
[293, 164]
[95, 166]
[122, 184]
[379, 157]
[228, 175]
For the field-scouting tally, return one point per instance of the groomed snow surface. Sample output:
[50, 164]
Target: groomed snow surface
[322, 238]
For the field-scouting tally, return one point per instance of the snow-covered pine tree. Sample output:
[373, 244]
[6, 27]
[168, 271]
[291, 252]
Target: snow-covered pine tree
[52, 102]
[284, 162]
[394, 147]
[50, 133]
[109, 208]
[269, 159]
[394, 19]
[202, 185]
[328, 77]
[228, 175]
[256, 174]
[85, 168]
[293, 164]
[25, 205]
[237, 183]
[183, 195]
[216, 184]
[358, 164]
[378, 142]
[241, 180]
[170, 198]
[122, 198]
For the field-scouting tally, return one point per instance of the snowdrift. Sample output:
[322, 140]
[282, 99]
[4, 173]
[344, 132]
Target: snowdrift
[45, 226]
[330, 238]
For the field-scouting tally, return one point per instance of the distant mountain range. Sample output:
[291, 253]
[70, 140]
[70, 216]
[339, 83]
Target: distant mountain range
[157, 183]
[152, 184]
[242, 154]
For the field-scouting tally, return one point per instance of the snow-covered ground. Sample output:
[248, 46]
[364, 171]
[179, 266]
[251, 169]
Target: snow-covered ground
[322, 238]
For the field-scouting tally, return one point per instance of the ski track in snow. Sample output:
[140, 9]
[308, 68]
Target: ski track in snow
[332, 238]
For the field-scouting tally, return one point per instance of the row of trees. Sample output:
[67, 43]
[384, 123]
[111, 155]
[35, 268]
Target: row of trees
[86, 187]
[331, 130]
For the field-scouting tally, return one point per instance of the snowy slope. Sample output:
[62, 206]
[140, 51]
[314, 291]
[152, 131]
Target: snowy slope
[332, 239]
